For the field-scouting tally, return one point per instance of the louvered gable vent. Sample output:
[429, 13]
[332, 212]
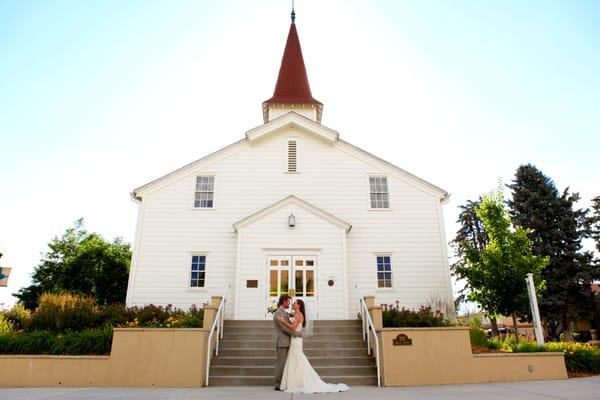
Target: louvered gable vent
[292, 156]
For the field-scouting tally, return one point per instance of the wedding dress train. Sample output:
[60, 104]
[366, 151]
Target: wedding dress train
[300, 377]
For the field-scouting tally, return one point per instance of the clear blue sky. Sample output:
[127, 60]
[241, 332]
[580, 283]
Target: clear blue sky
[99, 97]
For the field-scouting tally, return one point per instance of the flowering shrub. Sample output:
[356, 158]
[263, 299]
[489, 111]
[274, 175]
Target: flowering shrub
[152, 316]
[580, 357]
[73, 324]
[6, 326]
[425, 316]
[71, 313]
[16, 316]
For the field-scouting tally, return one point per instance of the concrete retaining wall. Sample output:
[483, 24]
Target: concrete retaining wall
[443, 356]
[140, 357]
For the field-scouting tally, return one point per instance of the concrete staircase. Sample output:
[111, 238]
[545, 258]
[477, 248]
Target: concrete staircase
[336, 351]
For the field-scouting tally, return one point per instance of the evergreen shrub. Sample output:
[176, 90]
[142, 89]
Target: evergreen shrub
[89, 341]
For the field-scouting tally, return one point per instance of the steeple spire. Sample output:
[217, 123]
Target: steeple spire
[292, 91]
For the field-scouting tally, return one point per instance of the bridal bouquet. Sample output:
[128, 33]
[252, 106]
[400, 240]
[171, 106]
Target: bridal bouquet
[272, 308]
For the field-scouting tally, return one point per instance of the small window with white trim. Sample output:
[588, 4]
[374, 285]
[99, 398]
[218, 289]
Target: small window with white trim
[198, 271]
[292, 156]
[384, 271]
[378, 192]
[205, 192]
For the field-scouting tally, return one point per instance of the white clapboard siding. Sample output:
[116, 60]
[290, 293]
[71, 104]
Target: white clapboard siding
[332, 176]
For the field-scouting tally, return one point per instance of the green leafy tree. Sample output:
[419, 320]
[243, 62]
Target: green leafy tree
[82, 263]
[472, 235]
[496, 274]
[557, 230]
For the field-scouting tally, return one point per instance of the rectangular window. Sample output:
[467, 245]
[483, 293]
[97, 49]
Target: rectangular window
[292, 156]
[198, 271]
[378, 188]
[205, 192]
[384, 271]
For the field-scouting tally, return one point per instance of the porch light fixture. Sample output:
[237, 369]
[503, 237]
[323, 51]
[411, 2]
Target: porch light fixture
[291, 221]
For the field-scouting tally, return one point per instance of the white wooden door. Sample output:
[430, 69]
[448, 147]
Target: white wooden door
[295, 276]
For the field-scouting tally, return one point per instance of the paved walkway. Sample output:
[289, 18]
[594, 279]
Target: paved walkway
[572, 389]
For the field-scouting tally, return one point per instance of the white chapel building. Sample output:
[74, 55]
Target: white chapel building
[290, 208]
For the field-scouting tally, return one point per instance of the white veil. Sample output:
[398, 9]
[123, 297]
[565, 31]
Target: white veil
[308, 329]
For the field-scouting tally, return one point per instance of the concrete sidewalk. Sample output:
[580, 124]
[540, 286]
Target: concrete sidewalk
[572, 389]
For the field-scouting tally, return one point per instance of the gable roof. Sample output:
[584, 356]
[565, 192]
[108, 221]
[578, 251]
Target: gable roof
[292, 118]
[306, 124]
[291, 199]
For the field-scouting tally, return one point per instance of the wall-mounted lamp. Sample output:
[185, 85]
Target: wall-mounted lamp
[292, 220]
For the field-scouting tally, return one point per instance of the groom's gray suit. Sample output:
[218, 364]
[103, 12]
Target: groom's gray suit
[282, 344]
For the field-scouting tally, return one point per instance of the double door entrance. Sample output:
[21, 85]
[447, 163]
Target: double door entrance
[295, 276]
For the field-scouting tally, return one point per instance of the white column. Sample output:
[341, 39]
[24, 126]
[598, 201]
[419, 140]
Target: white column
[535, 312]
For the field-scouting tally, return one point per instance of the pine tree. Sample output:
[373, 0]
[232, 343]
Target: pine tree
[557, 229]
[594, 223]
[472, 230]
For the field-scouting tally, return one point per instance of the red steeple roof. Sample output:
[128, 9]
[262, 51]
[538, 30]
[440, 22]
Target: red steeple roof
[292, 84]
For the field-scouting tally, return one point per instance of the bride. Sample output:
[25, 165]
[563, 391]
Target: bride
[298, 375]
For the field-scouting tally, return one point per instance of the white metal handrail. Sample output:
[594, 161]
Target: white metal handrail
[217, 326]
[367, 324]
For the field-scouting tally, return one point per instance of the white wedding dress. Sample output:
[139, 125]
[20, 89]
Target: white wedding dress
[300, 377]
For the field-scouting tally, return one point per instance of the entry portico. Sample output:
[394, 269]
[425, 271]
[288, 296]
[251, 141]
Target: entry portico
[292, 247]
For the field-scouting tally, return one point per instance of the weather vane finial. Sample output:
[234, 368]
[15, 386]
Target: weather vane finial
[293, 13]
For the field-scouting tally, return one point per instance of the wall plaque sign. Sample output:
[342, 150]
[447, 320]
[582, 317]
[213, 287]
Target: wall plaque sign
[402, 340]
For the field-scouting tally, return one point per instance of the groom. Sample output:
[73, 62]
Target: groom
[283, 337]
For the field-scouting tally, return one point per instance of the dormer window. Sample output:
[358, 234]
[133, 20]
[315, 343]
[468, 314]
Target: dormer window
[378, 192]
[292, 156]
[205, 192]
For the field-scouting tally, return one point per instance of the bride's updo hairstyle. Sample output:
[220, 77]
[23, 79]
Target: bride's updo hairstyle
[303, 311]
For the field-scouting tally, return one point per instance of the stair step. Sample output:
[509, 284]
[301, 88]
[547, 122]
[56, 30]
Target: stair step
[314, 361]
[270, 329]
[336, 350]
[317, 323]
[309, 344]
[267, 370]
[270, 352]
[321, 336]
[268, 381]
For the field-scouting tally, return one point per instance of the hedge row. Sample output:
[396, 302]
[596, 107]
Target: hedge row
[89, 341]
